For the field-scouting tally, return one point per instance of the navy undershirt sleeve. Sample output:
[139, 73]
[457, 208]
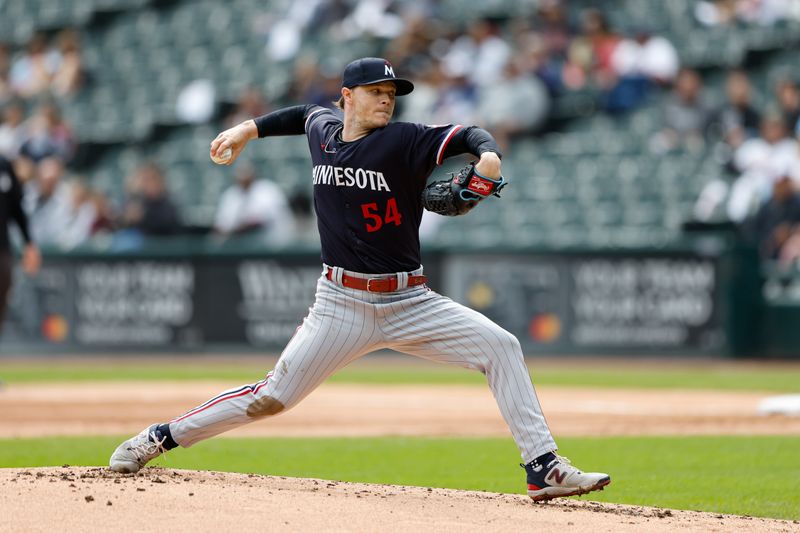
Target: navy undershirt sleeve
[287, 121]
[472, 140]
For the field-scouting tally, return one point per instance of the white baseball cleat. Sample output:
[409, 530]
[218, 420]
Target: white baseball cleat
[552, 476]
[134, 453]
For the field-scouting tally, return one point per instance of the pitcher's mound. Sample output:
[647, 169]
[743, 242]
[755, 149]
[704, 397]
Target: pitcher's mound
[157, 499]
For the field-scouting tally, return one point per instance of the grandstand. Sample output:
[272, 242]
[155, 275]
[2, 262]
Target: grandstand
[140, 54]
[586, 179]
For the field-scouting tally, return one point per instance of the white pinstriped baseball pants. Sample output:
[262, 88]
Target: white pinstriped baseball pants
[345, 324]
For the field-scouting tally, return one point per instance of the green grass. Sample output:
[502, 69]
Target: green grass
[757, 476]
[576, 372]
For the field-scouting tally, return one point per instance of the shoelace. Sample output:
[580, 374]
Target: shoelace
[560, 459]
[563, 460]
[149, 447]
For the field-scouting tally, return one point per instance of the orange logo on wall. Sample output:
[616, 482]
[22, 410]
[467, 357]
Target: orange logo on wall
[545, 327]
[55, 328]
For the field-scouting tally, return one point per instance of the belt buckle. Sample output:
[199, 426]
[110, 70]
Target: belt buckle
[370, 280]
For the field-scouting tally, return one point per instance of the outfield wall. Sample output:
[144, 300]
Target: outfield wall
[701, 296]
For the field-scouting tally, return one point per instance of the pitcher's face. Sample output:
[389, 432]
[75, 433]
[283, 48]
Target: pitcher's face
[373, 105]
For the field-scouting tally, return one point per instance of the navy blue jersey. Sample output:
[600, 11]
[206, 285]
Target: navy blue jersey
[368, 192]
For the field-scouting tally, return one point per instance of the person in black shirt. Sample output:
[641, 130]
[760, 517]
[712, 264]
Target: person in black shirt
[770, 228]
[11, 209]
[368, 177]
[150, 210]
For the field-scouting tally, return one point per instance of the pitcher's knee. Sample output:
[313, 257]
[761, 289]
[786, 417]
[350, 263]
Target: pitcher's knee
[504, 347]
[514, 342]
[508, 341]
[509, 348]
[266, 406]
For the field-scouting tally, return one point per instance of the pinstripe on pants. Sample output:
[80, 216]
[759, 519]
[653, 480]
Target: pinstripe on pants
[345, 324]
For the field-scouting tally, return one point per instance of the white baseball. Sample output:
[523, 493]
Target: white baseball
[222, 158]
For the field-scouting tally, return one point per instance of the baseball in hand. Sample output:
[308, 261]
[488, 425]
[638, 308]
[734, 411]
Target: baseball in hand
[222, 158]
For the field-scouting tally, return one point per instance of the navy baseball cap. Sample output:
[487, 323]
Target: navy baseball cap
[373, 70]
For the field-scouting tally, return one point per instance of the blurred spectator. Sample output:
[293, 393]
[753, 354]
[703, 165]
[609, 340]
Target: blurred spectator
[517, 103]
[305, 79]
[716, 12]
[760, 162]
[739, 111]
[480, 55]
[736, 120]
[310, 85]
[328, 13]
[534, 57]
[25, 169]
[284, 37]
[302, 208]
[251, 104]
[48, 135]
[788, 98]
[32, 72]
[764, 12]
[411, 49]
[47, 202]
[419, 105]
[651, 56]
[639, 64]
[775, 221]
[70, 75]
[148, 209]
[552, 24]
[196, 102]
[81, 216]
[372, 17]
[685, 116]
[756, 12]
[457, 102]
[252, 205]
[105, 218]
[13, 130]
[790, 251]
[329, 90]
[590, 54]
[6, 91]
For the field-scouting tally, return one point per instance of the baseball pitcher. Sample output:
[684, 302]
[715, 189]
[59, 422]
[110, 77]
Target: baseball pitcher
[369, 179]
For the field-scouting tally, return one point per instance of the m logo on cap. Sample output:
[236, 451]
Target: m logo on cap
[367, 70]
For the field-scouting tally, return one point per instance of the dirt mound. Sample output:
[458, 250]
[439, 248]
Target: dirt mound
[158, 499]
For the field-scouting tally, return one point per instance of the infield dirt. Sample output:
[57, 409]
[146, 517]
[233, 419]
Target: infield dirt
[120, 408]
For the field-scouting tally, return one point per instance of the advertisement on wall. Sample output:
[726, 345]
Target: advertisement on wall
[581, 303]
[134, 303]
[274, 299]
[595, 303]
[157, 304]
[105, 303]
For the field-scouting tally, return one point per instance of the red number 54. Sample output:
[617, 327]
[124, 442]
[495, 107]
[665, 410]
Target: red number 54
[374, 220]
